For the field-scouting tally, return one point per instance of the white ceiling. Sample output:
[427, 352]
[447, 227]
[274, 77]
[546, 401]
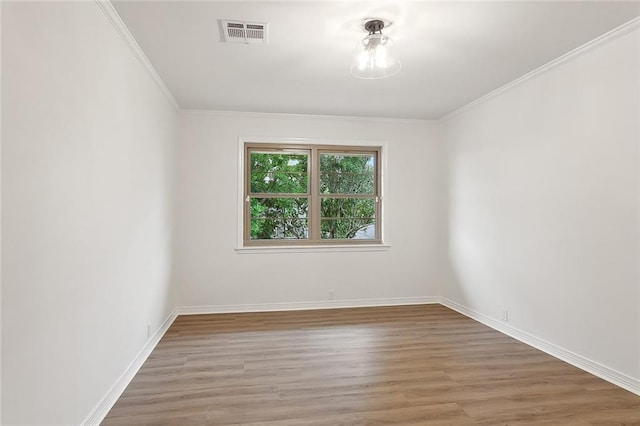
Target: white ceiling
[452, 52]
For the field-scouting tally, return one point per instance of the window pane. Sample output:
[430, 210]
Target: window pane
[278, 173]
[347, 173]
[279, 218]
[347, 218]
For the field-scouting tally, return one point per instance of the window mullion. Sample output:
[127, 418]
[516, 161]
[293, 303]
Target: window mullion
[314, 199]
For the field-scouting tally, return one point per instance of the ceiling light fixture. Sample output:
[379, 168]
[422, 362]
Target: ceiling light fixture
[376, 56]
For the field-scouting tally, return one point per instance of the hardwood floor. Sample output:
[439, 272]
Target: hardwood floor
[410, 365]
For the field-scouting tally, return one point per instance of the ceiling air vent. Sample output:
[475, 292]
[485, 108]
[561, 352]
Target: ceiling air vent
[244, 32]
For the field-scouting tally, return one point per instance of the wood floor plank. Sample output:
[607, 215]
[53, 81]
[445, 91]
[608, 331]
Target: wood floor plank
[409, 365]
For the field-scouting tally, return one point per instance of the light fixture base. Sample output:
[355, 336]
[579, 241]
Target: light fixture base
[374, 26]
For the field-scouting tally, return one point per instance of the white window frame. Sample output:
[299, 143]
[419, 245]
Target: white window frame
[378, 246]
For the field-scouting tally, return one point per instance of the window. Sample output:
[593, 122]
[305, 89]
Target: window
[311, 194]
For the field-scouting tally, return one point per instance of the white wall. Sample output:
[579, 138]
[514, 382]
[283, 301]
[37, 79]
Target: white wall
[209, 270]
[87, 143]
[543, 206]
[0, 226]
[540, 192]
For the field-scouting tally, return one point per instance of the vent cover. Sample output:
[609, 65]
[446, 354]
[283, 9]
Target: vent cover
[244, 32]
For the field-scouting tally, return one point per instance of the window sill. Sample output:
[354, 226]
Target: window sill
[314, 249]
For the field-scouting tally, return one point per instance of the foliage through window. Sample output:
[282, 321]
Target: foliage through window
[302, 194]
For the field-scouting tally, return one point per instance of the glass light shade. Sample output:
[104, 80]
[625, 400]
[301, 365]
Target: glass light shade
[376, 58]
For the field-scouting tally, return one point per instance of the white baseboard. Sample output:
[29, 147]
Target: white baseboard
[298, 306]
[100, 411]
[617, 378]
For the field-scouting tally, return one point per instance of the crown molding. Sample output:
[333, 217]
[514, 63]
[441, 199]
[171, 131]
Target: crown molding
[112, 15]
[617, 32]
[279, 115]
[107, 8]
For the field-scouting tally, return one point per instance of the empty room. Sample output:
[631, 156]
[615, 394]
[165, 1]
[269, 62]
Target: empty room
[289, 213]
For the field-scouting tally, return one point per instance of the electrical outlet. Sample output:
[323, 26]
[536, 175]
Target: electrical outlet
[148, 330]
[332, 294]
[505, 315]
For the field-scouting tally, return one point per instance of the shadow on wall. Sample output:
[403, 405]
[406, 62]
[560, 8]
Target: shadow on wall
[452, 287]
